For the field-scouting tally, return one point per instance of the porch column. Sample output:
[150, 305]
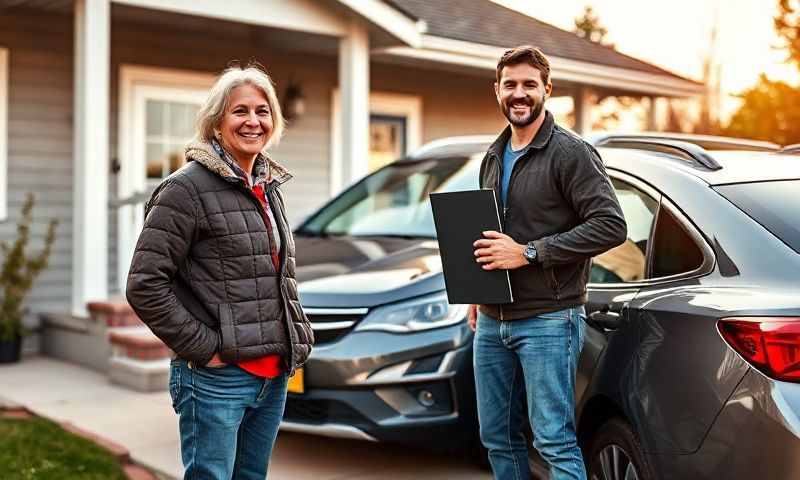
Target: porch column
[354, 88]
[583, 99]
[90, 154]
[652, 115]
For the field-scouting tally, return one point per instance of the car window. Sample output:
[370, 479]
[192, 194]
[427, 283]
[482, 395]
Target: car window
[627, 262]
[775, 205]
[674, 250]
[394, 200]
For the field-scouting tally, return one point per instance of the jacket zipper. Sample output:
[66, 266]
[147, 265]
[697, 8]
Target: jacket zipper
[514, 171]
[281, 264]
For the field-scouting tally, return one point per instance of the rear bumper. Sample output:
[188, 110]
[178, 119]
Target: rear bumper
[756, 435]
[410, 389]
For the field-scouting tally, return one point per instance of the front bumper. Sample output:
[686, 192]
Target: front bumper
[756, 435]
[415, 389]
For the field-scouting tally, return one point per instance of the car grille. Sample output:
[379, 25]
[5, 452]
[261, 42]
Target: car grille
[331, 324]
[320, 411]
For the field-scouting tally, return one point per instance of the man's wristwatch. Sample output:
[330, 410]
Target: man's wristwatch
[530, 253]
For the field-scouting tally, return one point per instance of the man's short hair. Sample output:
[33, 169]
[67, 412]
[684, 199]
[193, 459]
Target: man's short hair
[525, 54]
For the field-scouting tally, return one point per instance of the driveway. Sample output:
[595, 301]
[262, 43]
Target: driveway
[145, 424]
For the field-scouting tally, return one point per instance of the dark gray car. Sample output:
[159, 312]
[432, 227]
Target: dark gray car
[691, 366]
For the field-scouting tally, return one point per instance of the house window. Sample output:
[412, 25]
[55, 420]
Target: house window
[3, 133]
[387, 139]
[395, 130]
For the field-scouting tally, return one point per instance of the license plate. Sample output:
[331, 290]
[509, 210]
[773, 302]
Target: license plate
[297, 383]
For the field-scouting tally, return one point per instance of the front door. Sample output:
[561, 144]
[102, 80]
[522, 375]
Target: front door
[160, 117]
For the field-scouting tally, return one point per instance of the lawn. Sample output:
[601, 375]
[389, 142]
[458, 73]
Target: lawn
[36, 449]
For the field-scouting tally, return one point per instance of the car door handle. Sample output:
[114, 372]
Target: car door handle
[606, 319]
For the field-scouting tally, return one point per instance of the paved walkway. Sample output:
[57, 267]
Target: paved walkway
[146, 425]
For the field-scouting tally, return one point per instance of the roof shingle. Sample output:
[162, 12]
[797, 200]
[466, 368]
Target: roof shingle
[485, 22]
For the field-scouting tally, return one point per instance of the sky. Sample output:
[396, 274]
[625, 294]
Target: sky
[675, 35]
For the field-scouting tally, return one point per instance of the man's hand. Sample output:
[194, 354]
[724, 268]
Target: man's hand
[472, 317]
[498, 250]
[215, 362]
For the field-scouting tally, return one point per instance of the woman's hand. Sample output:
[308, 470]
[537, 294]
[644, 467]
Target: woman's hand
[215, 362]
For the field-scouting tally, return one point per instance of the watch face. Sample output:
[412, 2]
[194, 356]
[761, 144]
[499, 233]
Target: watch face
[530, 253]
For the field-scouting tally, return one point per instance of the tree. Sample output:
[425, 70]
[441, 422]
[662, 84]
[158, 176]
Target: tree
[588, 26]
[770, 111]
[787, 26]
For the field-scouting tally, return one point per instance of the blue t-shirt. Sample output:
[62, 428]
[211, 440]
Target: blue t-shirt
[510, 157]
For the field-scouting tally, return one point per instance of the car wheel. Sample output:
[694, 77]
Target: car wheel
[615, 454]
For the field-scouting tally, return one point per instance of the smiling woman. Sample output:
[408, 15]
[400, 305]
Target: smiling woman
[213, 277]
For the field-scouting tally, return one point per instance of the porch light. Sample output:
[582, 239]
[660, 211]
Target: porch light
[294, 102]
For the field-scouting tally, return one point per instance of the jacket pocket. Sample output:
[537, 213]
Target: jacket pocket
[552, 281]
[227, 332]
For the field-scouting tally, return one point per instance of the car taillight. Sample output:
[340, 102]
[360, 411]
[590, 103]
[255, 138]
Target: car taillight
[770, 344]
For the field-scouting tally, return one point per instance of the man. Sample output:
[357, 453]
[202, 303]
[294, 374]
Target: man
[559, 210]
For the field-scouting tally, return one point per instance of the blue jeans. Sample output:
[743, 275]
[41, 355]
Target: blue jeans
[229, 420]
[537, 356]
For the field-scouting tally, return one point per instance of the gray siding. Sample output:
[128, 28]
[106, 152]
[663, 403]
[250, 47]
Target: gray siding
[41, 104]
[452, 103]
[40, 143]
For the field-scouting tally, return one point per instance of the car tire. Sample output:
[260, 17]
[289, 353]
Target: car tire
[616, 454]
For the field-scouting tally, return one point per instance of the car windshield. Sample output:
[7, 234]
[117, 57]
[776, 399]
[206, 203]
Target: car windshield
[775, 205]
[394, 200]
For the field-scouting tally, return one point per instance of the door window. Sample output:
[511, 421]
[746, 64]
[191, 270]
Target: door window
[628, 262]
[168, 127]
[674, 250]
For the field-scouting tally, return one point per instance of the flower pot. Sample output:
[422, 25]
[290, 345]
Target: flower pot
[10, 350]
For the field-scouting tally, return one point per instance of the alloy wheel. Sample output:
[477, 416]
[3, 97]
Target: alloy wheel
[614, 464]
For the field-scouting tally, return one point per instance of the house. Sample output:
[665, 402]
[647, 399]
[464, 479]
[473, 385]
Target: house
[97, 98]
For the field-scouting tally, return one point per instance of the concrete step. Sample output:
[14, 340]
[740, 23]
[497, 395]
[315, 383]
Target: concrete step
[139, 359]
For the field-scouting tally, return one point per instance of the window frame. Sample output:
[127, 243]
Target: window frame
[709, 259]
[4, 107]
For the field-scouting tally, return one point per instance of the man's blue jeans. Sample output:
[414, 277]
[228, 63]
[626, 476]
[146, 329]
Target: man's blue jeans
[536, 355]
[229, 420]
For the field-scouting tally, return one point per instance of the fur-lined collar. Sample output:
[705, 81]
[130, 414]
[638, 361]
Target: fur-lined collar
[264, 168]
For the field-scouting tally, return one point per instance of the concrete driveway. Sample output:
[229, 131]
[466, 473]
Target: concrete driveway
[145, 424]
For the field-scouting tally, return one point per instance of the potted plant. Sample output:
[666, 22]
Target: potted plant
[17, 274]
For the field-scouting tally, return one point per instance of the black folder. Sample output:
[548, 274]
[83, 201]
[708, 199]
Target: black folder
[460, 219]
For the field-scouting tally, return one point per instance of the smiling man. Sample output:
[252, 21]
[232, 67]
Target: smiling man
[559, 210]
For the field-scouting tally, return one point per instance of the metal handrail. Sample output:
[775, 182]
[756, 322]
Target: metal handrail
[689, 151]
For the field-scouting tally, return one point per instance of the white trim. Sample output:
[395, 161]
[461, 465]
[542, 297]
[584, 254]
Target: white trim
[92, 41]
[389, 19]
[445, 50]
[380, 103]
[135, 84]
[4, 66]
[298, 15]
[354, 103]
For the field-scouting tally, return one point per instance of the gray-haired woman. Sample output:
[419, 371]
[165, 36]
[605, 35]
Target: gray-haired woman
[213, 277]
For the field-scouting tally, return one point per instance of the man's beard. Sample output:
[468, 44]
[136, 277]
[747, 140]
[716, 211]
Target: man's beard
[525, 120]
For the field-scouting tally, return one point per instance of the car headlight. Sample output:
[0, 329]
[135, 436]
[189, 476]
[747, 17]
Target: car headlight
[424, 313]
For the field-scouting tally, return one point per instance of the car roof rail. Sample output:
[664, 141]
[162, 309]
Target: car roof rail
[687, 151]
[794, 148]
[708, 142]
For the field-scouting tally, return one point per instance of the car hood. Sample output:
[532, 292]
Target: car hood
[348, 272]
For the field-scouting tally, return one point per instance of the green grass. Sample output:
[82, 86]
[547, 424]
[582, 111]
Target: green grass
[37, 449]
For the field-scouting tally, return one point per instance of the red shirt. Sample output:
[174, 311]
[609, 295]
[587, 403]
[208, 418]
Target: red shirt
[269, 366]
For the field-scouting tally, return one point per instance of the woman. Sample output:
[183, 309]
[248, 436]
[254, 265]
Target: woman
[213, 278]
